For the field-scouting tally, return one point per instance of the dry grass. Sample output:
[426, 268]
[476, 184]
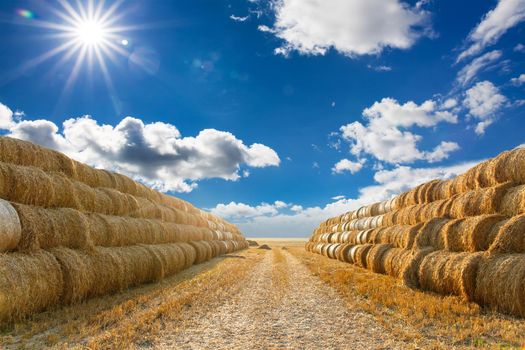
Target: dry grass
[134, 318]
[436, 321]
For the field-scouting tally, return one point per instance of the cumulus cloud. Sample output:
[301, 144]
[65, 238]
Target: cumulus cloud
[483, 101]
[470, 71]
[494, 24]
[518, 81]
[299, 221]
[357, 27]
[385, 135]
[347, 165]
[154, 153]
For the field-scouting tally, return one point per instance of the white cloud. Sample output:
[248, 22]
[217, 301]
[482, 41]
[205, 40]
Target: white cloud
[299, 221]
[469, 72]
[238, 18]
[336, 198]
[449, 103]
[6, 117]
[243, 211]
[518, 80]
[347, 165]
[483, 101]
[494, 24]
[155, 153]
[380, 68]
[519, 48]
[357, 27]
[385, 136]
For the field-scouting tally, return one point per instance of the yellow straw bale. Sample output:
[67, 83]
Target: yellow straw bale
[10, 228]
[430, 234]
[500, 283]
[510, 237]
[450, 273]
[513, 202]
[28, 283]
[472, 234]
[374, 258]
[394, 260]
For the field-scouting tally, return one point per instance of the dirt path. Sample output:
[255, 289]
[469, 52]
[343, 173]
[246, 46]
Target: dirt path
[281, 305]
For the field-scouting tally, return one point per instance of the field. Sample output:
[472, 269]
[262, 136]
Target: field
[279, 298]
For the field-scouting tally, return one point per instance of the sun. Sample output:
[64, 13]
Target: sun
[91, 33]
[88, 33]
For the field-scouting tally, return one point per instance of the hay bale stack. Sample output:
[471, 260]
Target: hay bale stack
[28, 283]
[463, 236]
[82, 232]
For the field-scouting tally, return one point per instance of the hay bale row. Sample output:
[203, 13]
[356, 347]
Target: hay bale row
[18, 152]
[47, 228]
[30, 283]
[32, 186]
[508, 167]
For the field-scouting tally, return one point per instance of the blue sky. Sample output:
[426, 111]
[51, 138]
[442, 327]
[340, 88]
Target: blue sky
[274, 114]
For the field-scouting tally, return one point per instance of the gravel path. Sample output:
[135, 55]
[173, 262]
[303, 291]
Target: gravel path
[280, 306]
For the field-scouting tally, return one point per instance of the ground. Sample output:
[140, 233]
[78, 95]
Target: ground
[283, 298]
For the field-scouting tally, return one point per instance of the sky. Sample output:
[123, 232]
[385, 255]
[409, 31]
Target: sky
[273, 114]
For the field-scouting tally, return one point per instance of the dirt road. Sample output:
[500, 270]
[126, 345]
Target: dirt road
[280, 305]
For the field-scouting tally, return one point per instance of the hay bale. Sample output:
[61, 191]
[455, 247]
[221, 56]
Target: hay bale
[410, 268]
[46, 228]
[513, 201]
[471, 234]
[500, 283]
[253, 243]
[29, 283]
[359, 254]
[10, 228]
[394, 260]
[430, 234]
[479, 202]
[374, 258]
[510, 237]
[450, 273]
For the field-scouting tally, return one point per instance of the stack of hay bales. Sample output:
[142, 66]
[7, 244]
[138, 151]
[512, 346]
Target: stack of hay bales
[464, 236]
[69, 232]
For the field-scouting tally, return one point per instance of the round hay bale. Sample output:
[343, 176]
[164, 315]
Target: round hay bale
[472, 234]
[450, 273]
[29, 283]
[330, 252]
[500, 283]
[394, 260]
[343, 251]
[513, 201]
[374, 258]
[47, 228]
[429, 234]
[510, 237]
[360, 253]
[10, 227]
[410, 268]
